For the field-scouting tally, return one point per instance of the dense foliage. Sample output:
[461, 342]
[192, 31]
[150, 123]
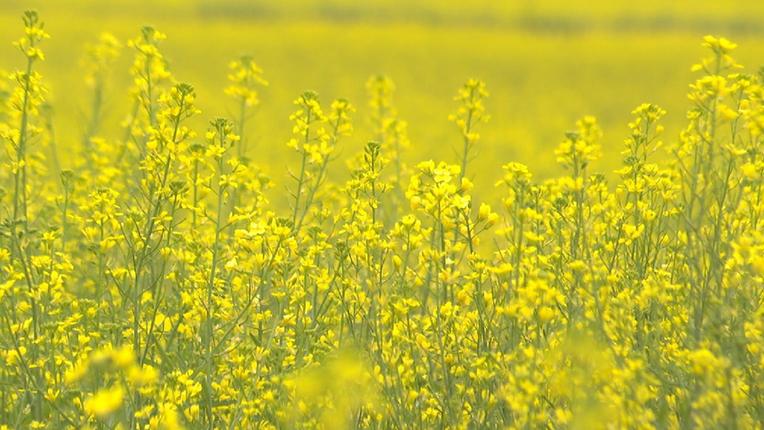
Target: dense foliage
[154, 285]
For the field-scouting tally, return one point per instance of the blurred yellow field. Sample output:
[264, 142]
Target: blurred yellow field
[545, 63]
[232, 214]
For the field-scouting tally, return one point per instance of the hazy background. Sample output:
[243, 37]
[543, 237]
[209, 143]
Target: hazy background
[546, 63]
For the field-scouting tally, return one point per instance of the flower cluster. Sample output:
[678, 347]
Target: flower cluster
[155, 286]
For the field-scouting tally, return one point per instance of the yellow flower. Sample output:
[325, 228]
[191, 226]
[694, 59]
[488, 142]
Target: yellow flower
[123, 357]
[105, 401]
[546, 314]
[750, 171]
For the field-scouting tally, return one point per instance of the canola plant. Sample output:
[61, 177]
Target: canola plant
[153, 285]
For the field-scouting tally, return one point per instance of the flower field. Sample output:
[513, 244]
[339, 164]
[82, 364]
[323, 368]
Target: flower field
[156, 274]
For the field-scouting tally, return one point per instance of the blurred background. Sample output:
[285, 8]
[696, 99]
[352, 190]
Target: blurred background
[546, 63]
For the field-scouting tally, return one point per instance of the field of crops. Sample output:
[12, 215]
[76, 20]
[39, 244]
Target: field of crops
[382, 215]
